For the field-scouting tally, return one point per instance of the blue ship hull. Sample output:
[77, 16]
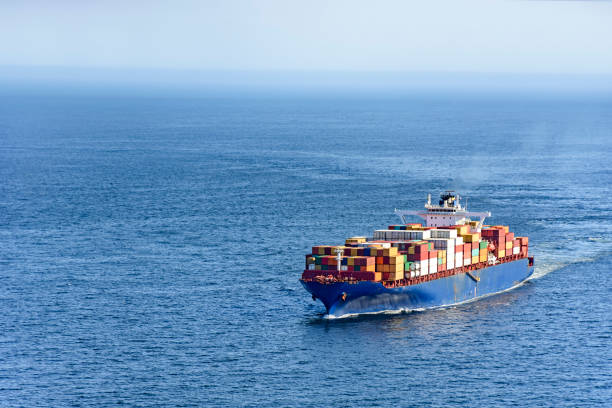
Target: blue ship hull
[373, 297]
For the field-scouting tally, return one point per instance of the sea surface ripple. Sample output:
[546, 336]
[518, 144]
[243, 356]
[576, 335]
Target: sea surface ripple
[150, 249]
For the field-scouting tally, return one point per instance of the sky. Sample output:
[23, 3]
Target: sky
[494, 36]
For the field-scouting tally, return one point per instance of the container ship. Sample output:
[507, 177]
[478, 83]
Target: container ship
[449, 258]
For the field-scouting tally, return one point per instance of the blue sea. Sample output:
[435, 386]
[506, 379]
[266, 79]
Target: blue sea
[151, 245]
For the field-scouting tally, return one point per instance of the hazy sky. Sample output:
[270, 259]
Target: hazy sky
[519, 36]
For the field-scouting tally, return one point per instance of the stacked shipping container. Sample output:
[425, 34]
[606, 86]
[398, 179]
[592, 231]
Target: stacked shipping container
[411, 251]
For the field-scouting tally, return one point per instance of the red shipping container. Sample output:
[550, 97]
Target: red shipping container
[418, 257]
[500, 242]
[510, 236]
[362, 275]
[524, 240]
[475, 245]
[492, 232]
[458, 248]
[421, 248]
[311, 274]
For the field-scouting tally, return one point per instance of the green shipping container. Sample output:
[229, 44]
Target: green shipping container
[483, 244]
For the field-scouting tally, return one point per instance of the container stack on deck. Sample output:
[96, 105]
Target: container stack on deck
[411, 251]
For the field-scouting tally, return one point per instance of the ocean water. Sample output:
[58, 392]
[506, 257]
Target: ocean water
[150, 248]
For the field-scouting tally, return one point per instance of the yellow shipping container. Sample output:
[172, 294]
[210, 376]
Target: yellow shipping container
[317, 267]
[509, 245]
[502, 253]
[398, 259]
[471, 237]
[390, 251]
[462, 229]
[355, 240]
[474, 259]
[411, 250]
[483, 257]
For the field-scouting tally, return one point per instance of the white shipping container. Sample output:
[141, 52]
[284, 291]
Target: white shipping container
[516, 250]
[450, 253]
[466, 261]
[443, 233]
[406, 235]
[414, 235]
[421, 267]
[458, 259]
[420, 235]
[450, 257]
[458, 241]
[433, 265]
[370, 244]
[343, 268]
[311, 267]
[442, 243]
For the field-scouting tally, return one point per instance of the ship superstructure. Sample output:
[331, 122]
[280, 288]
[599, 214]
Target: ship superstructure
[449, 211]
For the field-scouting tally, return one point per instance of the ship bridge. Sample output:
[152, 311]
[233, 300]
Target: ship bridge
[448, 211]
